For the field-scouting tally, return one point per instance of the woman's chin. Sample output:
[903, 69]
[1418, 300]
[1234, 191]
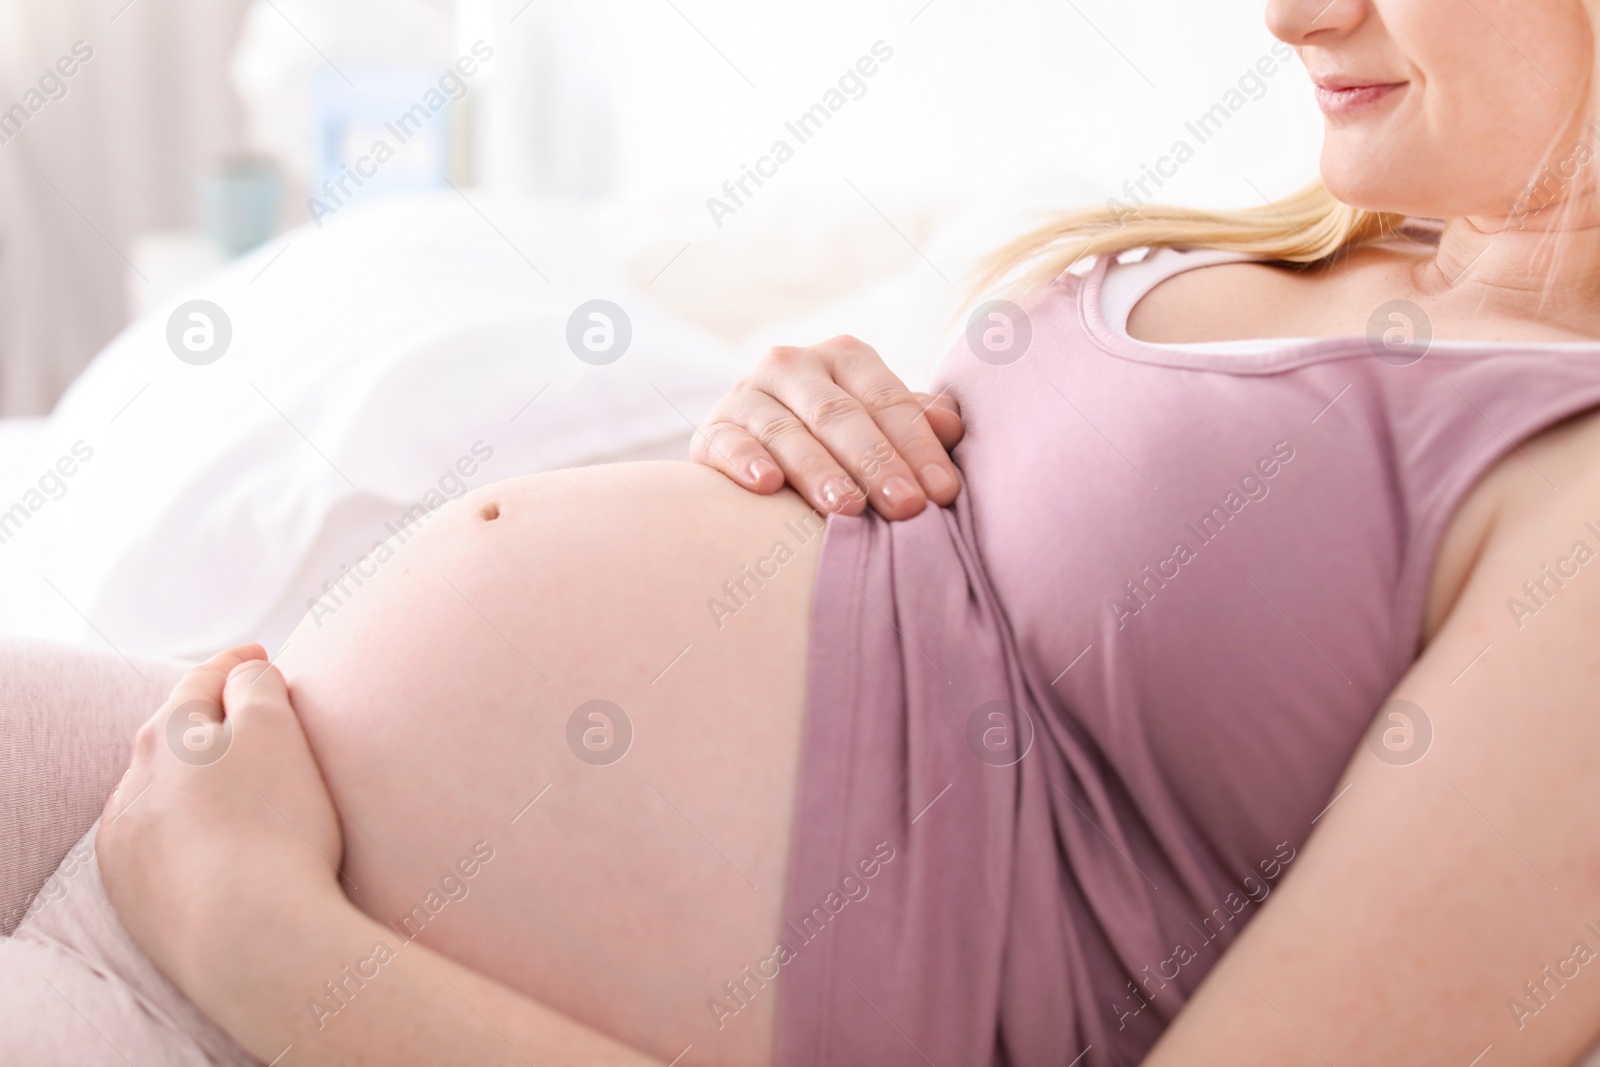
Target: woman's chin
[1373, 181]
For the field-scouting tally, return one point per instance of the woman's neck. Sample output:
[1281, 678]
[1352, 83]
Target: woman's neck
[1518, 269]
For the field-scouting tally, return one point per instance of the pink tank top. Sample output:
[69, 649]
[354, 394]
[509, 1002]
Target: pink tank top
[1092, 710]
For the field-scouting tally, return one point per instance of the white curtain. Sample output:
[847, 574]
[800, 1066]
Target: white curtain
[115, 156]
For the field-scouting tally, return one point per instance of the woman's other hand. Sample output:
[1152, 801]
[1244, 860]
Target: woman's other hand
[834, 422]
[222, 829]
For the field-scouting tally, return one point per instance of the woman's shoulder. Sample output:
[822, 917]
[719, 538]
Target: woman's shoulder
[1254, 299]
[1247, 299]
[1216, 302]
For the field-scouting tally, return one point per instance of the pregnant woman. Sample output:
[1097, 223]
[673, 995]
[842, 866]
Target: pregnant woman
[1229, 700]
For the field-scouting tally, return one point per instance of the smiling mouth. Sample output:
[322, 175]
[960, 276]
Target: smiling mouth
[1337, 99]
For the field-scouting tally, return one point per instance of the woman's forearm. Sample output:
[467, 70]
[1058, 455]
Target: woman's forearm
[340, 988]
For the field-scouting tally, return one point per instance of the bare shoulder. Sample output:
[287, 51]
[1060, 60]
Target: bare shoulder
[1227, 301]
[1248, 301]
[1240, 301]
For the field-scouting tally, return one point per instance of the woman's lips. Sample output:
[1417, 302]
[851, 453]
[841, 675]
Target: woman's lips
[1346, 99]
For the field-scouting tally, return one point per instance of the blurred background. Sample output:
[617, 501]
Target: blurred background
[200, 127]
[271, 271]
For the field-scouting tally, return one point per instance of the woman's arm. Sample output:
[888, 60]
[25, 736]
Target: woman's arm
[1447, 908]
[219, 850]
[414, 1007]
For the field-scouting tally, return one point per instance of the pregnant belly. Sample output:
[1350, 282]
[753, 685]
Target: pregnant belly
[561, 723]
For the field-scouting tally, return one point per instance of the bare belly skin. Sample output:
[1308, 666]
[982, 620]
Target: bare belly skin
[437, 696]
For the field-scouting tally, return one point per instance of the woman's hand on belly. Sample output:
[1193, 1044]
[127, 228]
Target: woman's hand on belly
[219, 851]
[221, 827]
[831, 420]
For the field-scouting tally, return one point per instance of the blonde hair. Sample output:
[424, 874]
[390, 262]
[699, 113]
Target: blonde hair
[1308, 226]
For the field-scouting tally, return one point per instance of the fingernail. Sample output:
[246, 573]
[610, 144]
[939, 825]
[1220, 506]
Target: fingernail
[249, 670]
[759, 469]
[937, 479]
[836, 492]
[898, 490]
